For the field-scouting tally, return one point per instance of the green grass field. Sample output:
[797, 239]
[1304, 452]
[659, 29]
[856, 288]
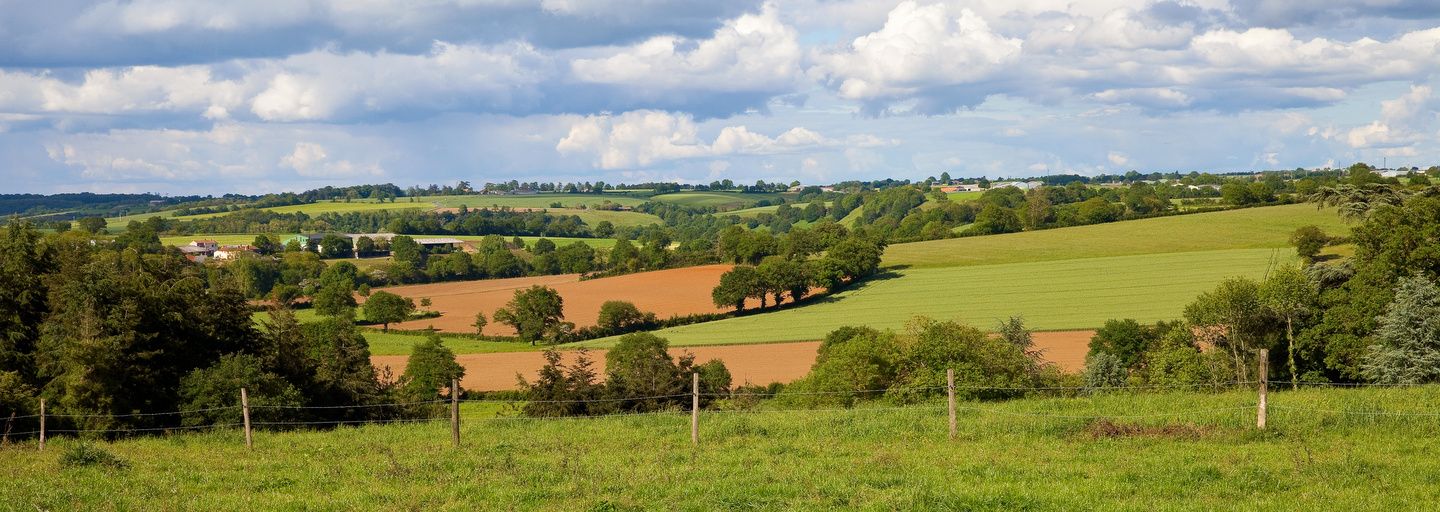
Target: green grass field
[398, 343]
[230, 239]
[393, 343]
[751, 212]
[320, 207]
[1068, 278]
[1184, 451]
[1051, 295]
[1249, 228]
[721, 200]
[969, 195]
[533, 201]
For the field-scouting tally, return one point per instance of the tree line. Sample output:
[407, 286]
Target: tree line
[118, 336]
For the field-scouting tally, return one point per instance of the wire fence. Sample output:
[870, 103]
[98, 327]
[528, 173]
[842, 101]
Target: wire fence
[70, 424]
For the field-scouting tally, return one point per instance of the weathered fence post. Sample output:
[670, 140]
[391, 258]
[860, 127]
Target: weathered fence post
[950, 390]
[1264, 388]
[245, 413]
[695, 409]
[455, 412]
[42, 424]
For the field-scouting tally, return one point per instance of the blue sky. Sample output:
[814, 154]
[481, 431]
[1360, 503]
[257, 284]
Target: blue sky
[215, 96]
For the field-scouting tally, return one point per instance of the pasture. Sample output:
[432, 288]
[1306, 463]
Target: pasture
[968, 195]
[531, 201]
[1325, 450]
[1250, 228]
[1051, 295]
[721, 200]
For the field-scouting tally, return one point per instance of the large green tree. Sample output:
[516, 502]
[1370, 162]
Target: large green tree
[386, 308]
[1406, 349]
[537, 313]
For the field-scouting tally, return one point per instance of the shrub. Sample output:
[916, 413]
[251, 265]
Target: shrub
[618, 316]
[215, 391]
[86, 455]
[431, 367]
[1104, 370]
[1308, 241]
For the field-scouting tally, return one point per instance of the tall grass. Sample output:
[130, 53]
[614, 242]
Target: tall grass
[1113, 452]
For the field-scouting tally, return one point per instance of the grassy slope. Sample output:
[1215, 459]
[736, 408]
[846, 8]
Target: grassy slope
[535, 201]
[726, 200]
[1051, 295]
[1069, 278]
[1249, 228]
[1005, 457]
[474, 201]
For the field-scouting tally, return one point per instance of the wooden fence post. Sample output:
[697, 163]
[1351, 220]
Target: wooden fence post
[245, 413]
[455, 412]
[695, 409]
[950, 390]
[42, 424]
[1264, 388]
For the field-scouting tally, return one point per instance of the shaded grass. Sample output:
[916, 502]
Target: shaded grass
[1051, 295]
[1005, 457]
[1249, 228]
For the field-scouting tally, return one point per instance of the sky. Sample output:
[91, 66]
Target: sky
[218, 96]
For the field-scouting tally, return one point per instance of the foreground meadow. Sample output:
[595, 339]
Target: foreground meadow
[1325, 449]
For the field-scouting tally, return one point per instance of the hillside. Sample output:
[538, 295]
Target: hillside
[1249, 228]
[1067, 278]
[1326, 449]
[721, 200]
[570, 203]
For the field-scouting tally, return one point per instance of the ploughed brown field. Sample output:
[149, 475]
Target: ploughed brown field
[681, 291]
[754, 363]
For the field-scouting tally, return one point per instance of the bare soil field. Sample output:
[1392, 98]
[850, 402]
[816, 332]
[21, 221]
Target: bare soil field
[681, 291]
[754, 363]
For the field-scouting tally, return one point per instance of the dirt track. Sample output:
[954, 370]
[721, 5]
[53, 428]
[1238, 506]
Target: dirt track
[756, 363]
[680, 291]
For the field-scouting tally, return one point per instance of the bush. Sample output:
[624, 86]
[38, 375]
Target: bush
[215, 391]
[618, 316]
[1308, 241]
[86, 455]
[430, 368]
[1105, 370]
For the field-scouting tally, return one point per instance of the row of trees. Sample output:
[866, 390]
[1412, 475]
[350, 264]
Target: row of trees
[778, 276]
[640, 376]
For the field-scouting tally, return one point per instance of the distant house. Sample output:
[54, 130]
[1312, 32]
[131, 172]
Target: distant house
[231, 252]
[196, 254]
[963, 187]
[208, 245]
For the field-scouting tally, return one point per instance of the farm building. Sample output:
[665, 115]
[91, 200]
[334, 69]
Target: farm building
[231, 252]
[195, 253]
